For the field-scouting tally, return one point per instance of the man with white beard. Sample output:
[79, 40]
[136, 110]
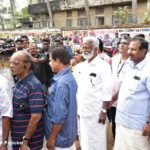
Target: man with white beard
[94, 93]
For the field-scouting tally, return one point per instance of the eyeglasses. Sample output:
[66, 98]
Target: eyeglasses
[45, 43]
[124, 43]
[32, 49]
[16, 63]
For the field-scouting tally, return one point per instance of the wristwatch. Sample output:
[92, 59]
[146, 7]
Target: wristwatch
[104, 111]
[25, 139]
[5, 143]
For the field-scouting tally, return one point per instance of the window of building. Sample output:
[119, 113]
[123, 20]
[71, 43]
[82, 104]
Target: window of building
[130, 18]
[69, 23]
[45, 23]
[115, 20]
[41, 1]
[69, 13]
[81, 13]
[99, 20]
[82, 22]
[99, 10]
[36, 25]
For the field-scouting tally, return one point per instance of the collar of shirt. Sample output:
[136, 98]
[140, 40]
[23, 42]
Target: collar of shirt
[25, 79]
[95, 60]
[60, 74]
[140, 65]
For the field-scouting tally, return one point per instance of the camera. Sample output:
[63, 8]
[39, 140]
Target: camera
[7, 49]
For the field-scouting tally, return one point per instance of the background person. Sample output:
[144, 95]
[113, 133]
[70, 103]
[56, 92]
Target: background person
[6, 112]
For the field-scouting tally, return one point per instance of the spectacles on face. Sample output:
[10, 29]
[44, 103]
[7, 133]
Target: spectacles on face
[16, 63]
[45, 43]
[124, 43]
[32, 49]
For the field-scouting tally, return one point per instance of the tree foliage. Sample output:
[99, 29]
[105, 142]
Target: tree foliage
[23, 13]
[121, 15]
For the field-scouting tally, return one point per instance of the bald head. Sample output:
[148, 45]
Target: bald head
[21, 63]
[22, 56]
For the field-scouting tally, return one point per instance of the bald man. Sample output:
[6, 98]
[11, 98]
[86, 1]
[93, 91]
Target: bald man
[28, 104]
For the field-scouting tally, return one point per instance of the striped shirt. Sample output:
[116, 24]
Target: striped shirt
[28, 98]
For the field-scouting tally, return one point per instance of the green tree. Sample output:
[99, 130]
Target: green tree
[121, 15]
[23, 13]
[3, 10]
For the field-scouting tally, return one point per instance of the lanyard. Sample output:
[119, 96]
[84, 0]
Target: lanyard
[119, 70]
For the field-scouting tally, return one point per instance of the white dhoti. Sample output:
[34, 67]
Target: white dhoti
[69, 148]
[92, 133]
[130, 139]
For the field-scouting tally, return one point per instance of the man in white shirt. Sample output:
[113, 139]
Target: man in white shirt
[94, 93]
[133, 106]
[5, 112]
[119, 62]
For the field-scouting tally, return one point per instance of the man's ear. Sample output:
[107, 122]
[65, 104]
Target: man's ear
[27, 65]
[58, 61]
[145, 51]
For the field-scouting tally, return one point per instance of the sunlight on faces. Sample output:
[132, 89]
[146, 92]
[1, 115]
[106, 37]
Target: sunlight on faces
[54, 64]
[123, 46]
[135, 54]
[88, 50]
[17, 64]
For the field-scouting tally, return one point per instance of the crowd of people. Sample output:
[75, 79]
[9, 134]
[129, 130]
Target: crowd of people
[52, 96]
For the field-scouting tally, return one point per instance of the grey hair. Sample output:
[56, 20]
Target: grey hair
[28, 57]
[91, 39]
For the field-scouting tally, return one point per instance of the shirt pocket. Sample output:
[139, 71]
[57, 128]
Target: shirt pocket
[134, 84]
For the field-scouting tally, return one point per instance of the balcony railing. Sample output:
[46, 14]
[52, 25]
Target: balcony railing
[41, 8]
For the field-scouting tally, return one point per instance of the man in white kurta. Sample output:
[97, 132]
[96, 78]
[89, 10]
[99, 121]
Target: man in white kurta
[94, 93]
[5, 112]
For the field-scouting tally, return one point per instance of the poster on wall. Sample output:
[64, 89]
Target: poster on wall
[106, 35]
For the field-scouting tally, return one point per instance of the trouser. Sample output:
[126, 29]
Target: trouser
[69, 148]
[92, 133]
[112, 116]
[130, 139]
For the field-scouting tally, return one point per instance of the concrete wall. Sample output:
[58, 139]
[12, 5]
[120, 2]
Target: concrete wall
[108, 15]
[74, 18]
[141, 9]
[60, 19]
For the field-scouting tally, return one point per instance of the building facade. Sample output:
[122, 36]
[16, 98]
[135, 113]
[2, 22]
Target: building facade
[69, 14]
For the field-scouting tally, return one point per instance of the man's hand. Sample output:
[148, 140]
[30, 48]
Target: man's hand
[102, 117]
[110, 104]
[24, 146]
[146, 130]
[51, 143]
[149, 139]
[3, 147]
[34, 59]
